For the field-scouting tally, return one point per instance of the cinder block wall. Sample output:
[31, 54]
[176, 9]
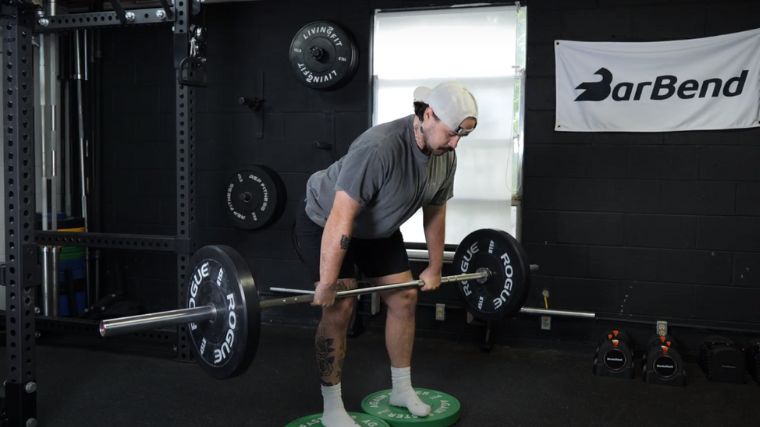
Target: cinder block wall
[653, 225]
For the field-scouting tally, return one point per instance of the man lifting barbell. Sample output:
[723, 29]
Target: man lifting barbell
[352, 214]
[222, 311]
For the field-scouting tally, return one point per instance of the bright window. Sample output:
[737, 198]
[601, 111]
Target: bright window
[484, 49]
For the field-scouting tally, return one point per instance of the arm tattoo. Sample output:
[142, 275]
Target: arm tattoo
[344, 241]
[343, 285]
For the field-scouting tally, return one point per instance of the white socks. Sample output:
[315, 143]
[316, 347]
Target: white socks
[404, 395]
[335, 414]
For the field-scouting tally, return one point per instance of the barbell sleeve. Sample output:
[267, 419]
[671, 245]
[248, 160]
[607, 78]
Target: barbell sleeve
[560, 313]
[309, 297]
[290, 290]
[124, 325]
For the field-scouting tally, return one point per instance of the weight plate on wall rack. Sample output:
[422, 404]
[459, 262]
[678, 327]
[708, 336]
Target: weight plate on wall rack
[255, 197]
[323, 55]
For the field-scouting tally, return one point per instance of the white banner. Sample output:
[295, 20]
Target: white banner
[696, 84]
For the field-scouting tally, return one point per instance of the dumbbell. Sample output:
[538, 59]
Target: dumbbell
[614, 355]
[663, 363]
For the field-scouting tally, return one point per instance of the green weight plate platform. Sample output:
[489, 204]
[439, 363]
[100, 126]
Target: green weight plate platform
[445, 409]
[362, 419]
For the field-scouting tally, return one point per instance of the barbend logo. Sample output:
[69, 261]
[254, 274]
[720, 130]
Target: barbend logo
[663, 87]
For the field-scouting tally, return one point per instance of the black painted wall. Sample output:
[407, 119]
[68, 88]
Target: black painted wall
[661, 225]
[655, 225]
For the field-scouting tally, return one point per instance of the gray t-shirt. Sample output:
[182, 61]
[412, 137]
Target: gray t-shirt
[385, 171]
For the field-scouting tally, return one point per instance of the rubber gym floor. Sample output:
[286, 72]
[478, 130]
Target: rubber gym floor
[508, 386]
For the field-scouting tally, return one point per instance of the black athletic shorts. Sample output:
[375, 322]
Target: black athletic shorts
[372, 257]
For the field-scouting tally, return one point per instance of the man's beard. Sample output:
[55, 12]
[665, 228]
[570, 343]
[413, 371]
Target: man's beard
[441, 152]
[429, 148]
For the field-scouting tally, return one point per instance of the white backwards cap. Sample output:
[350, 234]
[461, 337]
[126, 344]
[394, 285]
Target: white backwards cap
[450, 101]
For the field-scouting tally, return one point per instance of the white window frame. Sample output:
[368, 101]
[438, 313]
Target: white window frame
[512, 196]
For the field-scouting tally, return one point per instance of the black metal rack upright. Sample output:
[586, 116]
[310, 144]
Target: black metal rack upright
[21, 20]
[21, 252]
[185, 141]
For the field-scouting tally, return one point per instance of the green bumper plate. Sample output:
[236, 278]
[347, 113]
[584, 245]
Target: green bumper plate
[445, 409]
[314, 420]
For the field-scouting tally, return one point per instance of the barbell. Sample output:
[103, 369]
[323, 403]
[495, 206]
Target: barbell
[223, 307]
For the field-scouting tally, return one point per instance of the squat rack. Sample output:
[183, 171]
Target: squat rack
[21, 21]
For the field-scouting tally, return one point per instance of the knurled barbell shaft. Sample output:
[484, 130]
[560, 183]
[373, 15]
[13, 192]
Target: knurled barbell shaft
[141, 322]
[123, 325]
[298, 299]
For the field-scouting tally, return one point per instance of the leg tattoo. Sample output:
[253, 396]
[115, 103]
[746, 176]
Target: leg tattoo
[325, 356]
[331, 348]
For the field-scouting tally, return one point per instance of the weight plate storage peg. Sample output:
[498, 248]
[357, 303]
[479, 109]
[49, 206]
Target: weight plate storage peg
[445, 409]
[504, 291]
[255, 197]
[323, 55]
[225, 345]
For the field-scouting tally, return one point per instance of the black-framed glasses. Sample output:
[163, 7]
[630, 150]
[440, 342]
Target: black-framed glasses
[460, 131]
